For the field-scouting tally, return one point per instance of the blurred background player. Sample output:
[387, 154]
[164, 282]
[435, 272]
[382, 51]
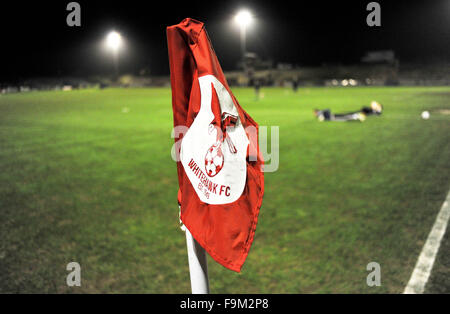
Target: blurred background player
[295, 85]
[257, 86]
[327, 115]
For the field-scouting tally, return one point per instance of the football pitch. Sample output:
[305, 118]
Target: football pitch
[87, 176]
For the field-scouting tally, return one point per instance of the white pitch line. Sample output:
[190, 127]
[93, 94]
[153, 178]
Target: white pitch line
[424, 265]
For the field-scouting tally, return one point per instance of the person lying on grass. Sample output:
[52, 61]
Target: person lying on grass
[326, 114]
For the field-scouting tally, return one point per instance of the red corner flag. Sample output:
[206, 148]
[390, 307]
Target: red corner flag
[219, 163]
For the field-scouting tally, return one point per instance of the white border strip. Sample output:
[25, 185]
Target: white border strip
[426, 259]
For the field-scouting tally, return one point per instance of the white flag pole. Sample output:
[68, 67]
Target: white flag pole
[198, 266]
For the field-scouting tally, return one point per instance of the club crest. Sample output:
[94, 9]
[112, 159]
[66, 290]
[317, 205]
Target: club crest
[213, 151]
[214, 160]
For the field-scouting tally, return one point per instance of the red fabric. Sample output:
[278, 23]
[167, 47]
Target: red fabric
[225, 231]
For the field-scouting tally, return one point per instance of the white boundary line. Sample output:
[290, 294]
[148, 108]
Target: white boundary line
[424, 265]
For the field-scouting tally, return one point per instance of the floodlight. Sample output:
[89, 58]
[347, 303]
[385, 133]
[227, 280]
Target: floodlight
[243, 18]
[114, 40]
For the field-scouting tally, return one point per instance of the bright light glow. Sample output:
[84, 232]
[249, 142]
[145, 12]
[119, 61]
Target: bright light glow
[114, 40]
[425, 115]
[243, 18]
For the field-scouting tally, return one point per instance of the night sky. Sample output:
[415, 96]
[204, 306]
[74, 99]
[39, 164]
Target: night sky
[35, 40]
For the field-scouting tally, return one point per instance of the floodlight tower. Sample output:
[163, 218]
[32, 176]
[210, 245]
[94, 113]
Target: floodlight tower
[243, 18]
[114, 43]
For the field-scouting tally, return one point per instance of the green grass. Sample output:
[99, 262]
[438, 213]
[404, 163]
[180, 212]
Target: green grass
[82, 181]
[439, 281]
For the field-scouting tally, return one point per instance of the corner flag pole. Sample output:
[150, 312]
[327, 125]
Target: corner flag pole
[198, 267]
